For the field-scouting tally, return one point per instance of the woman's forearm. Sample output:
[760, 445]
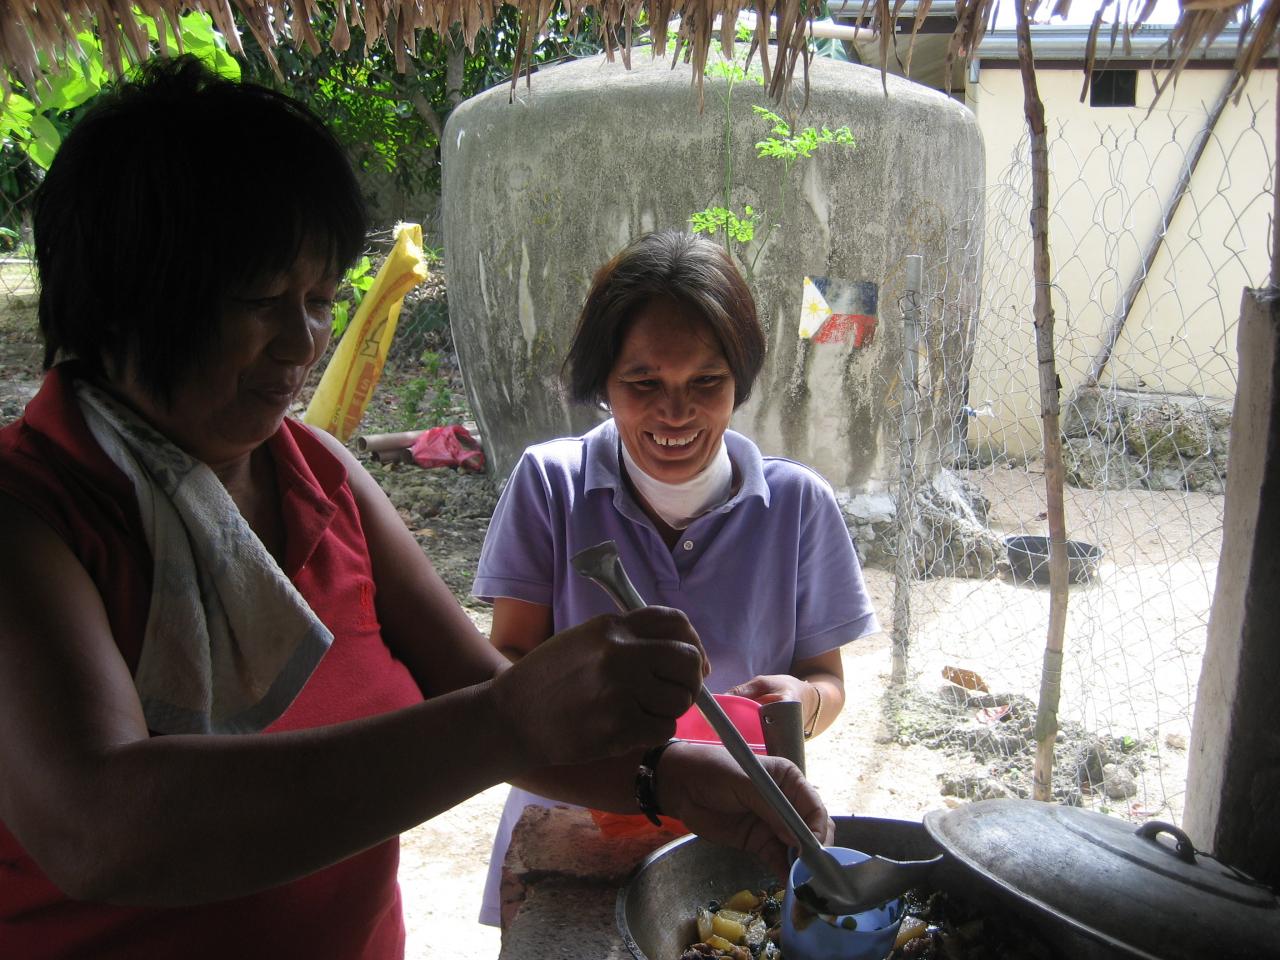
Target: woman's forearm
[178, 820]
[605, 785]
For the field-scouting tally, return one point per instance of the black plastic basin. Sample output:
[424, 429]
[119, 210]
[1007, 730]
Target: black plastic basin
[1029, 560]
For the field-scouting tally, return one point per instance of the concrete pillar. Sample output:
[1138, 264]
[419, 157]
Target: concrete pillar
[1233, 783]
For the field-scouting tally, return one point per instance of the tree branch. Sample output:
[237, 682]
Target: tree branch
[421, 105]
[1051, 674]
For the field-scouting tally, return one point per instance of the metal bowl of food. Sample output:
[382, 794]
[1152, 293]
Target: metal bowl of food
[657, 907]
[1059, 882]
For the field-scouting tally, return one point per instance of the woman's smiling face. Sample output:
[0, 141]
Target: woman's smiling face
[671, 392]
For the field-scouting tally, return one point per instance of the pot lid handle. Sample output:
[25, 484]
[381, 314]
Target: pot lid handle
[1184, 848]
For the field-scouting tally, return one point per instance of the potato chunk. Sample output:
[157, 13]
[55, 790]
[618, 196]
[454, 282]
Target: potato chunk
[728, 928]
[912, 927]
[744, 901]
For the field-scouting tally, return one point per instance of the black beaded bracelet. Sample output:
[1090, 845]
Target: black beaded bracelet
[647, 782]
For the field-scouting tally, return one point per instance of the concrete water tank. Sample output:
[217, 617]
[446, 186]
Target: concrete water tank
[541, 189]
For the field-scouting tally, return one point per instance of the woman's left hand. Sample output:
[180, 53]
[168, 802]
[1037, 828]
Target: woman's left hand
[774, 687]
[816, 682]
[781, 686]
[704, 787]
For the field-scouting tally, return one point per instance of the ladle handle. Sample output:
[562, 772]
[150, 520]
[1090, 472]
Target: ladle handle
[618, 585]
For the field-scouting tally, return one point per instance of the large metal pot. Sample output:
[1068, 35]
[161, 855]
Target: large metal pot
[1089, 886]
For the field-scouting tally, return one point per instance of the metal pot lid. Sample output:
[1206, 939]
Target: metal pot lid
[1143, 890]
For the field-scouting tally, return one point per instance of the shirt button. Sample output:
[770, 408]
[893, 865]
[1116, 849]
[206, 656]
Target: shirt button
[688, 544]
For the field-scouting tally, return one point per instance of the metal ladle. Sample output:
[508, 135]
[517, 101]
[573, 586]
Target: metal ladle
[834, 888]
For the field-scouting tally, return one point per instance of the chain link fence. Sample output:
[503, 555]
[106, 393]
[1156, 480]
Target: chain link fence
[1146, 293]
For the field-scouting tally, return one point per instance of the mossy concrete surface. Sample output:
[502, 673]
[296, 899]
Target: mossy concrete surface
[1127, 439]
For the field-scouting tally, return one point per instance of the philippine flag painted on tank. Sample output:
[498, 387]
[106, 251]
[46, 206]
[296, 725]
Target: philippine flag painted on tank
[832, 310]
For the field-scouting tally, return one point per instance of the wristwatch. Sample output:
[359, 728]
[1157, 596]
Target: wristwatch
[647, 782]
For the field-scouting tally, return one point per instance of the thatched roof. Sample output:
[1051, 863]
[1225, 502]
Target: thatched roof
[29, 28]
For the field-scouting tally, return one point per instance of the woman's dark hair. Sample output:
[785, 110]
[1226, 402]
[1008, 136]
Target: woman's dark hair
[689, 269]
[176, 189]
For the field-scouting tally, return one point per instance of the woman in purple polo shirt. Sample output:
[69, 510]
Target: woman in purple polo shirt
[753, 549]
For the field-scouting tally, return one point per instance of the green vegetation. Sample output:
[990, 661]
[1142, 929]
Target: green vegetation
[433, 388]
[390, 120]
[783, 145]
[34, 121]
[355, 284]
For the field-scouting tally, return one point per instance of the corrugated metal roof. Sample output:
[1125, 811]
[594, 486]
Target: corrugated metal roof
[1069, 41]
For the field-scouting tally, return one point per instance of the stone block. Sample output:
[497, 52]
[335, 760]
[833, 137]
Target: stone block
[1097, 464]
[1168, 433]
[1206, 475]
[1163, 477]
[1118, 782]
[1090, 762]
[1091, 413]
[1121, 439]
[950, 536]
[550, 843]
[870, 508]
[976, 787]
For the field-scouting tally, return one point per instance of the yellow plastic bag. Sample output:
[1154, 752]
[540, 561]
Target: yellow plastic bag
[356, 365]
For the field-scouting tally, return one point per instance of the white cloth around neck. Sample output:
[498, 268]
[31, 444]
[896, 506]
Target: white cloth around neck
[679, 504]
[229, 640]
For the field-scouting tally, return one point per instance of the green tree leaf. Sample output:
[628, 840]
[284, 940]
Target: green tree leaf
[341, 318]
[44, 141]
[68, 90]
[15, 115]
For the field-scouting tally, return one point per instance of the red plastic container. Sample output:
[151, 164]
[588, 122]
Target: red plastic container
[744, 713]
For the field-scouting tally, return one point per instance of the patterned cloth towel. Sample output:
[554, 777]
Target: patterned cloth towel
[229, 640]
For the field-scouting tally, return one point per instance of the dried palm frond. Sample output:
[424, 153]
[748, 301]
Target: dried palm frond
[30, 28]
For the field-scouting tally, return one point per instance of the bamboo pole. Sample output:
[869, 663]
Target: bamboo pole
[1051, 675]
[382, 442]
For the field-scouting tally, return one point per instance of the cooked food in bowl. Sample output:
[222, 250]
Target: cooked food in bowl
[748, 926]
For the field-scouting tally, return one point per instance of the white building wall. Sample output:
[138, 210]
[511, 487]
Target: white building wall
[1112, 170]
